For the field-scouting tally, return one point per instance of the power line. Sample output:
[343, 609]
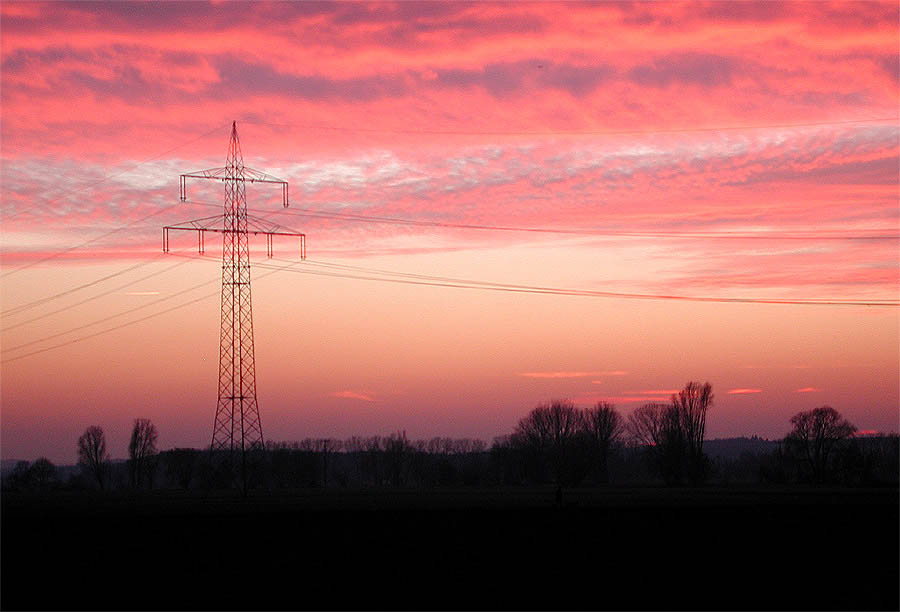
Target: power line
[437, 281]
[873, 234]
[61, 252]
[94, 297]
[837, 234]
[35, 303]
[456, 283]
[110, 317]
[335, 128]
[445, 280]
[106, 331]
[129, 323]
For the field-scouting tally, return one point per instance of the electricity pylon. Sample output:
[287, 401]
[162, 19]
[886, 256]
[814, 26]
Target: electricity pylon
[237, 426]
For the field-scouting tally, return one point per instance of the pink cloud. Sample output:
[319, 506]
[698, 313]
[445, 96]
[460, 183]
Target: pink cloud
[743, 391]
[558, 374]
[625, 398]
[364, 396]
[807, 390]
[573, 374]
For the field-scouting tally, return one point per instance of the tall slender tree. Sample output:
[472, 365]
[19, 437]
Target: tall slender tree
[673, 433]
[691, 405]
[142, 451]
[92, 455]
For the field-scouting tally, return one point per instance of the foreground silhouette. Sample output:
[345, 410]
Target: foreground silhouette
[470, 548]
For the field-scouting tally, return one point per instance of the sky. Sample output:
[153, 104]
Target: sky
[742, 155]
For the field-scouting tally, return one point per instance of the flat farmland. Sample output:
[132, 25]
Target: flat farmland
[612, 548]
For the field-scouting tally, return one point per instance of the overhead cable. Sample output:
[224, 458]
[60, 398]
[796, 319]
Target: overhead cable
[870, 234]
[456, 283]
[373, 130]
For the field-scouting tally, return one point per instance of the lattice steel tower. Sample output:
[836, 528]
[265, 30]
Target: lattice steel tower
[237, 425]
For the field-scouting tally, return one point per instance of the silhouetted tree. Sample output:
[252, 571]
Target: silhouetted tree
[371, 460]
[651, 426]
[673, 433]
[691, 405]
[43, 473]
[506, 460]
[777, 467]
[92, 455]
[20, 477]
[645, 424]
[179, 466]
[550, 433]
[326, 447]
[142, 452]
[880, 458]
[396, 450]
[603, 426]
[815, 435]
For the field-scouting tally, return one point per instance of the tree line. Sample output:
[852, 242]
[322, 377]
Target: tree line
[556, 443]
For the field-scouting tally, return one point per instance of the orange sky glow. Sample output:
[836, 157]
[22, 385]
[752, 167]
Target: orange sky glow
[742, 155]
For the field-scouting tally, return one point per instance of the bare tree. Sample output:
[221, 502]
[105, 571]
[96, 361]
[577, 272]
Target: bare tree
[673, 433]
[179, 466]
[550, 432]
[603, 427]
[551, 424]
[396, 451]
[325, 447]
[142, 451]
[653, 426]
[646, 424]
[92, 455]
[815, 435]
[691, 405]
[20, 477]
[43, 473]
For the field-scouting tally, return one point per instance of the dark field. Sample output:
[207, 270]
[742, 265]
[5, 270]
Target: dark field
[618, 548]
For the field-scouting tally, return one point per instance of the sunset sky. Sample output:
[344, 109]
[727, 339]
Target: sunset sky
[744, 155]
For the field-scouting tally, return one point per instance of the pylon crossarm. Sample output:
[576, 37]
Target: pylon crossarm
[249, 175]
[201, 242]
[259, 224]
[205, 223]
[256, 176]
[212, 173]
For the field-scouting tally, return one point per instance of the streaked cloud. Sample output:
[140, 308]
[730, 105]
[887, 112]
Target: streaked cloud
[807, 390]
[365, 396]
[625, 398]
[743, 391]
[574, 374]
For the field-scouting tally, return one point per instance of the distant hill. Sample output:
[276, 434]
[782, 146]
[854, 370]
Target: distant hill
[732, 448]
[7, 465]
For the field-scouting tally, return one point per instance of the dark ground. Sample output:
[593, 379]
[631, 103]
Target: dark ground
[619, 548]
